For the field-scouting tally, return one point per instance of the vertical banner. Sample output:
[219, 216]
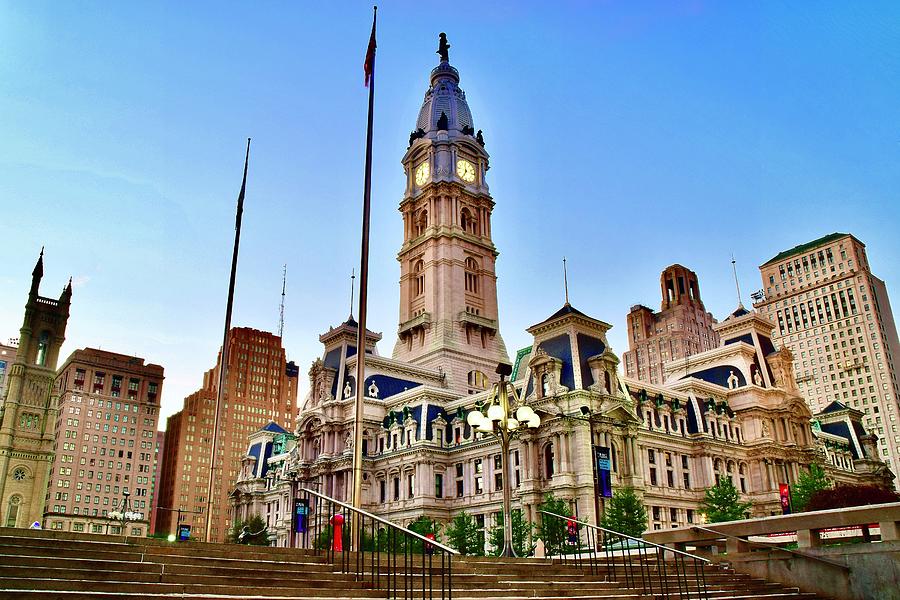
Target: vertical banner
[784, 490]
[604, 480]
[301, 513]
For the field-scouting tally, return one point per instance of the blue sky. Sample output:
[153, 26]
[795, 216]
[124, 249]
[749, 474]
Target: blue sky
[624, 135]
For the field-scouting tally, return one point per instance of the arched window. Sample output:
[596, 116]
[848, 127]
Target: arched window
[607, 382]
[421, 222]
[478, 381]
[471, 275]
[468, 222]
[549, 466]
[12, 511]
[43, 344]
[419, 270]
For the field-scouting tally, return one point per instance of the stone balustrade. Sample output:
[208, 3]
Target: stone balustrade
[807, 525]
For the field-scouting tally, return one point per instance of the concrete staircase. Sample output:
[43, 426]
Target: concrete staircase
[49, 565]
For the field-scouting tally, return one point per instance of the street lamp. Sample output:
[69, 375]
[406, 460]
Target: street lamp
[124, 512]
[505, 420]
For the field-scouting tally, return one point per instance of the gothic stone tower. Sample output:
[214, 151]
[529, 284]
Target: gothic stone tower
[448, 286]
[28, 413]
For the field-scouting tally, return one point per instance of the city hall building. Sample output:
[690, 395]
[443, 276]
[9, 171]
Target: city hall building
[733, 410]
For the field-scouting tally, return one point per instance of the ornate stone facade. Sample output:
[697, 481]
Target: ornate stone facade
[727, 412]
[29, 410]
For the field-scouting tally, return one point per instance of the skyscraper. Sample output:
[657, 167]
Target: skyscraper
[835, 317]
[260, 386]
[105, 438]
[28, 413]
[681, 327]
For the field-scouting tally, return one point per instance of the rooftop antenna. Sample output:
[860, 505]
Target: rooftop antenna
[281, 308]
[566, 280]
[737, 286]
[352, 290]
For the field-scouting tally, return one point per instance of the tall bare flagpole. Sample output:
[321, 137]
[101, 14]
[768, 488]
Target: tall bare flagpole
[214, 443]
[369, 68]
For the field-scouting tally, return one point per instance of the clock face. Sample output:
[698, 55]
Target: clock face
[465, 170]
[423, 172]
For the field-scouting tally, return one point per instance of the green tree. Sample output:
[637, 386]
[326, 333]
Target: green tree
[808, 484]
[553, 529]
[258, 535]
[722, 502]
[522, 534]
[464, 536]
[423, 526]
[625, 513]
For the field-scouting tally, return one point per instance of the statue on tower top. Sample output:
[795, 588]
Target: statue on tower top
[443, 48]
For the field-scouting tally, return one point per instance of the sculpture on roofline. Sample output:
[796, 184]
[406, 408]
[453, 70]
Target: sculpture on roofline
[443, 48]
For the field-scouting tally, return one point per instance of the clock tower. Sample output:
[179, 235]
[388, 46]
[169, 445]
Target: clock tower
[448, 284]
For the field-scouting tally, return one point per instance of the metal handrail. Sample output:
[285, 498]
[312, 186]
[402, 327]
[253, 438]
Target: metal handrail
[774, 547]
[378, 519]
[641, 540]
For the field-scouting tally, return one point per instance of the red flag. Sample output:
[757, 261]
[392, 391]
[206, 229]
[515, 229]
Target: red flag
[369, 65]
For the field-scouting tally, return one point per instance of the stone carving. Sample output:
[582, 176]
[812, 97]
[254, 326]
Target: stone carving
[373, 390]
[765, 429]
[757, 378]
[479, 137]
[443, 48]
[348, 391]
[733, 381]
[442, 122]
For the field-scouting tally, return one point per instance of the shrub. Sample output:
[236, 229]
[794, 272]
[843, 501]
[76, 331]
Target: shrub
[844, 496]
[625, 513]
[722, 502]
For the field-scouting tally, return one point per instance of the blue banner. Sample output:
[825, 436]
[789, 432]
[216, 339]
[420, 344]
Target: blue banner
[604, 465]
[301, 514]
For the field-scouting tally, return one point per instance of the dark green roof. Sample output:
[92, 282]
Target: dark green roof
[805, 247]
[520, 355]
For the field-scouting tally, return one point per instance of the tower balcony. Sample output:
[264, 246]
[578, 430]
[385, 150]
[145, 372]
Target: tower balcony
[422, 320]
[477, 321]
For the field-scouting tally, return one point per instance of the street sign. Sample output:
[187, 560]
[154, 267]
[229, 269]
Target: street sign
[184, 532]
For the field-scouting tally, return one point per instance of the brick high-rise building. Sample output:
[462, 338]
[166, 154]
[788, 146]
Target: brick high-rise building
[835, 317]
[105, 438]
[681, 327]
[158, 450]
[260, 386]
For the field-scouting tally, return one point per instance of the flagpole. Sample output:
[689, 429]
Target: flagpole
[363, 286]
[224, 358]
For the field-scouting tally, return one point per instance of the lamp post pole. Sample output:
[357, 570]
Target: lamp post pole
[505, 438]
[507, 426]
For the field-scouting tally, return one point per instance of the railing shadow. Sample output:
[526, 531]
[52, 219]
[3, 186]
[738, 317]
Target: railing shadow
[649, 568]
[379, 554]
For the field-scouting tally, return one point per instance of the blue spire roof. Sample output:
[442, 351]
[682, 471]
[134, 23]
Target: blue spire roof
[274, 427]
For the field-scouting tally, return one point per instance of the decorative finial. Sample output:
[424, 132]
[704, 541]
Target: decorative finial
[443, 48]
[352, 289]
[566, 280]
[737, 286]
[281, 308]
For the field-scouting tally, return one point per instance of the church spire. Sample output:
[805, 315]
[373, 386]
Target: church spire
[38, 273]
